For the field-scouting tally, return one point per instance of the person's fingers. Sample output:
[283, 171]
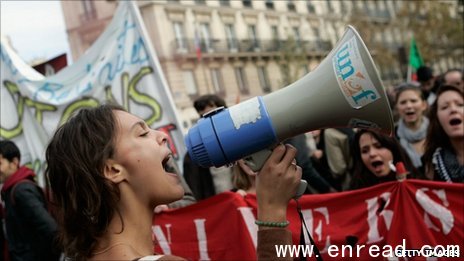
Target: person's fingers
[246, 168]
[299, 173]
[290, 154]
[277, 153]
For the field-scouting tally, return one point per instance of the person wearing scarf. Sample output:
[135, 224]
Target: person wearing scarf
[444, 150]
[412, 125]
[30, 229]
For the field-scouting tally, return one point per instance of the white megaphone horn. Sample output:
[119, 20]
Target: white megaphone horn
[345, 90]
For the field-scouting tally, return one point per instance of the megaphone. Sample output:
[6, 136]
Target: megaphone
[345, 90]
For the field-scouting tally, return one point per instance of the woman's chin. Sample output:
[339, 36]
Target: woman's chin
[180, 193]
[380, 173]
[177, 194]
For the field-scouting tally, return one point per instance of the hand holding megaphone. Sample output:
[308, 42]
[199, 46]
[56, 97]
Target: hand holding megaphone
[279, 177]
[257, 160]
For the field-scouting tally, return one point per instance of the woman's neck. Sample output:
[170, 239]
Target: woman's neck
[129, 233]
[415, 125]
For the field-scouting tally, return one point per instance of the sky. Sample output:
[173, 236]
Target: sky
[36, 28]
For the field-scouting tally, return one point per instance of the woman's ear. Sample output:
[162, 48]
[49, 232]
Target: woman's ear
[114, 171]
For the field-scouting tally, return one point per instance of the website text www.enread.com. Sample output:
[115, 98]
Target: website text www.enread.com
[385, 251]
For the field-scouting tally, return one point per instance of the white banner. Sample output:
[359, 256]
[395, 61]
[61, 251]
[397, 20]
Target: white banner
[120, 66]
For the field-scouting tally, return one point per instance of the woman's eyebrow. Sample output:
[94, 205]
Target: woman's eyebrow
[139, 123]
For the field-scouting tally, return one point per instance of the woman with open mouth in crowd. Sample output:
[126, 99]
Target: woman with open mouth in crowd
[444, 151]
[412, 125]
[374, 158]
[108, 171]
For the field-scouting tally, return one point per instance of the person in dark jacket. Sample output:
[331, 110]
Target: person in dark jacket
[30, 229]
[303, 159]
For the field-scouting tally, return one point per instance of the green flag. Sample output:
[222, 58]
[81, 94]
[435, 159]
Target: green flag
[415, 59]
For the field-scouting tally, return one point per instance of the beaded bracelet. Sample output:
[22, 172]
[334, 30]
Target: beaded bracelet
[272, 224]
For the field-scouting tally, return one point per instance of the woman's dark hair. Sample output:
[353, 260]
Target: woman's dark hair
[436, 135]
[406, 87]
[84, 199]
[362, 177]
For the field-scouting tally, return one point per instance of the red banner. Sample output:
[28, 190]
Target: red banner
[374, 221]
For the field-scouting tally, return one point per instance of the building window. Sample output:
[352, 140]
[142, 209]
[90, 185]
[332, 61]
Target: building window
[200, 2]
[206, 37]
[224, 2]
[270, 4]
[291, 6]
[343, 7]
[275, 32]
[366, 7]
[218, 84]
[180, 36]
[231, 37]
[275, 38]
[190, 83]
[310, 7]
[264, 79]
[316, 32]
[296, 34]
[241, 80]
[252, 35]
[246, 3]
[329, 6]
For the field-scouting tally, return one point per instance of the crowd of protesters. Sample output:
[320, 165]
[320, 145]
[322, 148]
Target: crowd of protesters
[428, 140]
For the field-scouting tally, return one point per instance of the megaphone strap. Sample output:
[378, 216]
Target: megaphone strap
[302, 239]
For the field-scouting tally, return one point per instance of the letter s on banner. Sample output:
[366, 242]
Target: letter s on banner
[436, 210]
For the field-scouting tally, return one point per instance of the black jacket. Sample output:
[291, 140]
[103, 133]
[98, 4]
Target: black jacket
[199, 179]
[309, 173]
[31, 230]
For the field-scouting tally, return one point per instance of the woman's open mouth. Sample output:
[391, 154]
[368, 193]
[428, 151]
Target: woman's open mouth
[168, 164]
[377, 165]
[454, 122]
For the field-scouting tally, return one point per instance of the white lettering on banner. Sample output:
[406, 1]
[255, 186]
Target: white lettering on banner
[249, 219]
[168, 228]
[373, 219]
[309, 218]
[436, 210]
[202, 240]
[163, 243]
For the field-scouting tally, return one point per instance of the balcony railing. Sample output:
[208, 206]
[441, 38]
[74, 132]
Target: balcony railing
[187, 46]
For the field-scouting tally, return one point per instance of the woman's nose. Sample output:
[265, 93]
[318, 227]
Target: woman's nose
[372, 152]
[455, 108]
[160, 136]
